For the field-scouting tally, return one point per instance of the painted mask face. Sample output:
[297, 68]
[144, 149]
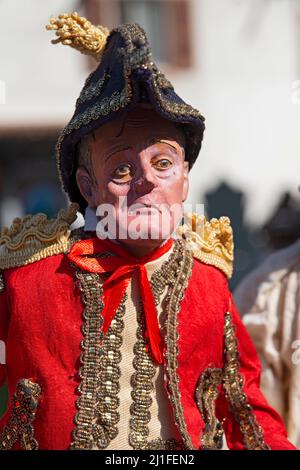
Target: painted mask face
[137, 167]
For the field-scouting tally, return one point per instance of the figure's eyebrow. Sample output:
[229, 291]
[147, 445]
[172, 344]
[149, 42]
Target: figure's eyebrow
[117, 149]
[152, 141]
[155, 141]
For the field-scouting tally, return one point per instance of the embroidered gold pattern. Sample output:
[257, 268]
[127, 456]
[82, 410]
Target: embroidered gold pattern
[206, 395]
[233, 384]
[175, 297]
[102, 108]
[35, 237]
[90, 357]
[2, 285]
[93, 89]
[211, 241]
[24, 408]
[163, 82]
[142, 379]
[167, 106]
[97, 405]
[107, 417]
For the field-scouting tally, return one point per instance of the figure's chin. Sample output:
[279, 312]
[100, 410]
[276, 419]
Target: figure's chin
[149, 217]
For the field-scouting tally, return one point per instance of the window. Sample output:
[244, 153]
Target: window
[166, 22]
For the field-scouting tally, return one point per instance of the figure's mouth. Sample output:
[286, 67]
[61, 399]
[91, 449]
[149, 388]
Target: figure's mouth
[143, 207]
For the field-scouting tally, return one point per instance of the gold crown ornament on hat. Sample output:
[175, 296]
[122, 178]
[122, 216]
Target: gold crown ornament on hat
[77, 32]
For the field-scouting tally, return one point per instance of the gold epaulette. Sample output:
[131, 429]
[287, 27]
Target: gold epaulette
[35, 237]
[210, 241]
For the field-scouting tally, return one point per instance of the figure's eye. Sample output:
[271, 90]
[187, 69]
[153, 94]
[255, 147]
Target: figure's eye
[162, 164]
[123, 173]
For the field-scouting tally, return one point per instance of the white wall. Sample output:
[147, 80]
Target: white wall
[42, 80]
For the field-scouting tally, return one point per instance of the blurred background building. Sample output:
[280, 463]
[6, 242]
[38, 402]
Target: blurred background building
[238, 61]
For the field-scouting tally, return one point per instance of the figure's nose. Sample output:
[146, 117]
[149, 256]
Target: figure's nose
[145, 182]
[143, 185]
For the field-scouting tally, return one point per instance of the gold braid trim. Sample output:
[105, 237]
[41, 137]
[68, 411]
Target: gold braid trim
[210, 241]
[206, 394]
[2, 285]
[77, 32]
[19, 427]
[233, 383]
[174, 299]
[35, 237]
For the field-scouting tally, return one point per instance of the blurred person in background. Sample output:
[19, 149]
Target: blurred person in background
[269, 302]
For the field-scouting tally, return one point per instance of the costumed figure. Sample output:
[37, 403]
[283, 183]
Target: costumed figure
[126, 342]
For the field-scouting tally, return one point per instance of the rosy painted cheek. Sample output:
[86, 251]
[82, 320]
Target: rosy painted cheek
[175, 194]
[114, 192]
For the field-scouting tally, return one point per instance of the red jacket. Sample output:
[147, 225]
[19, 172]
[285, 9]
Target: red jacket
[40, 322]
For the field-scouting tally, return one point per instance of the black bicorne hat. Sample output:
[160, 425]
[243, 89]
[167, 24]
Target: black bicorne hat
[125, 77]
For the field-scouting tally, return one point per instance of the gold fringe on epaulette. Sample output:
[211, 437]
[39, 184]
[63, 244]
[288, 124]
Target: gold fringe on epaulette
[77, 32]
[211, 241]
[35, 237]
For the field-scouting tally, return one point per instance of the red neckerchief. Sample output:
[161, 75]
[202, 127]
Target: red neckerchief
[122, 266]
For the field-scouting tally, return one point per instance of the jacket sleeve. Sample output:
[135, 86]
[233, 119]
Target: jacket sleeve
[4, 316]
[248, 420]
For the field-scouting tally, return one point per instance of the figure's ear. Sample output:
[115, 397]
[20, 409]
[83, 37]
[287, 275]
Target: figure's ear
[185, 189]
[85, 185]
